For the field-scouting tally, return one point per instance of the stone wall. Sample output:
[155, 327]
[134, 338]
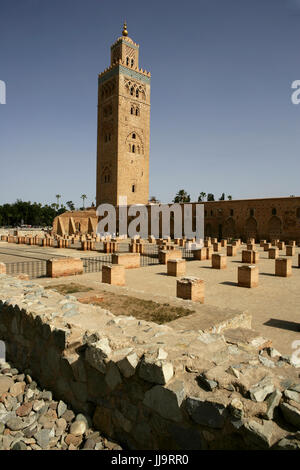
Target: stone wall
[272, 218]
[146, 385]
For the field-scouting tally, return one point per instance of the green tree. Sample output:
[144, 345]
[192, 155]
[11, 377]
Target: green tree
[229, 198]
[58, 196]
[222, 198]
[83, 197]
[201, 197]
[70, 205]
[210, 197]
[182, 196]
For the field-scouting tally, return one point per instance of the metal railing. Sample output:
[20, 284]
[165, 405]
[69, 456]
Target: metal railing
[33, 269]
[94, 264]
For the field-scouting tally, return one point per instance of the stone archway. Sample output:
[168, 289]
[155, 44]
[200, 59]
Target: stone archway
[274, 228]
[251, 228]
[229, 228]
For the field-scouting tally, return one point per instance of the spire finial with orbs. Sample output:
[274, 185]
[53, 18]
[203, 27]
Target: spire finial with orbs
[125, 32]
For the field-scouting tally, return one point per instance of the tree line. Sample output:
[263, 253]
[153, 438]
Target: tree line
[34, 213]
[182, 196]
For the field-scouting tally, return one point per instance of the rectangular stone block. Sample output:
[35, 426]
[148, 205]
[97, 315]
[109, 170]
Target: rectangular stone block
[191, 289]
[209, 251]
[219, 261]
[207, 243]
[267, 246]
[165, 255]
[292, 243]
[176, 267]
[281, 245]
[274, 242]
[262, 243]
[2, 268]
[273, 252]
[290, 250]
[64, 267]
[248, 276]
[224, 243]
[200, 254]
[114, 275]
[250, 256]
[128, 260]
[217, 246]
[231, 250]
[283, 267]
[250, 246]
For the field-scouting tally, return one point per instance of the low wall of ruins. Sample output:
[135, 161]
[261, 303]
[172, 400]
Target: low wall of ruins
[148, 386]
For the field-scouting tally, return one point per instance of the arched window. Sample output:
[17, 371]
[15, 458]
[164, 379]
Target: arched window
[127, 60]
[133, 149]
[132, 62]
[205, 213]
[131, 90]
[274, 211]
[211, 213]
[133, 136]
[231, 212]
[138, 149]
[137, 112]
[133, 188]
[251, 212]
[137, 93]
[132, 110]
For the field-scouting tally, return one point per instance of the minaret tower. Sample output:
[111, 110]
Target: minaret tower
[123, 126]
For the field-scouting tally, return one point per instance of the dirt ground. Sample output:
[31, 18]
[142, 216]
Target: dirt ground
[274, 304]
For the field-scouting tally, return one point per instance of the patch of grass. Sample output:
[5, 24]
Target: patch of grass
[138, 308]
[71, 288]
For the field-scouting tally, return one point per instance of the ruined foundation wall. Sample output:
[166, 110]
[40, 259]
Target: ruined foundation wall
[146, 385]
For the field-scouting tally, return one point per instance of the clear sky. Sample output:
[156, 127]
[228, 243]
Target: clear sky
[222, 119]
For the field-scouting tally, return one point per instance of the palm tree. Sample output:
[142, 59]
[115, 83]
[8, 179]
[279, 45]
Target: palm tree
[70, 205]
[58, 196]
[229, 198]
[83, 197]
[202, 195]
[182, 196]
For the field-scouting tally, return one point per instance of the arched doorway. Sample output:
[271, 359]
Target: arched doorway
[208, 230]
[251, 228]
[229, 228]
[274, 228]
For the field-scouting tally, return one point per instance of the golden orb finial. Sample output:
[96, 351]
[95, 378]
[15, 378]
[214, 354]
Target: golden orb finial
[125, 32]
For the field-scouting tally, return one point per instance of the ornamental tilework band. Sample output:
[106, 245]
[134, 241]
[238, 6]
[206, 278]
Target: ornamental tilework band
[126, 71]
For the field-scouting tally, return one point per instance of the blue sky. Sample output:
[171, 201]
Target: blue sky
[222, 119]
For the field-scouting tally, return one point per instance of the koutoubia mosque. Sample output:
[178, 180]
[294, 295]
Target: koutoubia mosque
[123, 141]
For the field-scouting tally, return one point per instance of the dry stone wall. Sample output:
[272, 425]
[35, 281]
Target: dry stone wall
[148, 386]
